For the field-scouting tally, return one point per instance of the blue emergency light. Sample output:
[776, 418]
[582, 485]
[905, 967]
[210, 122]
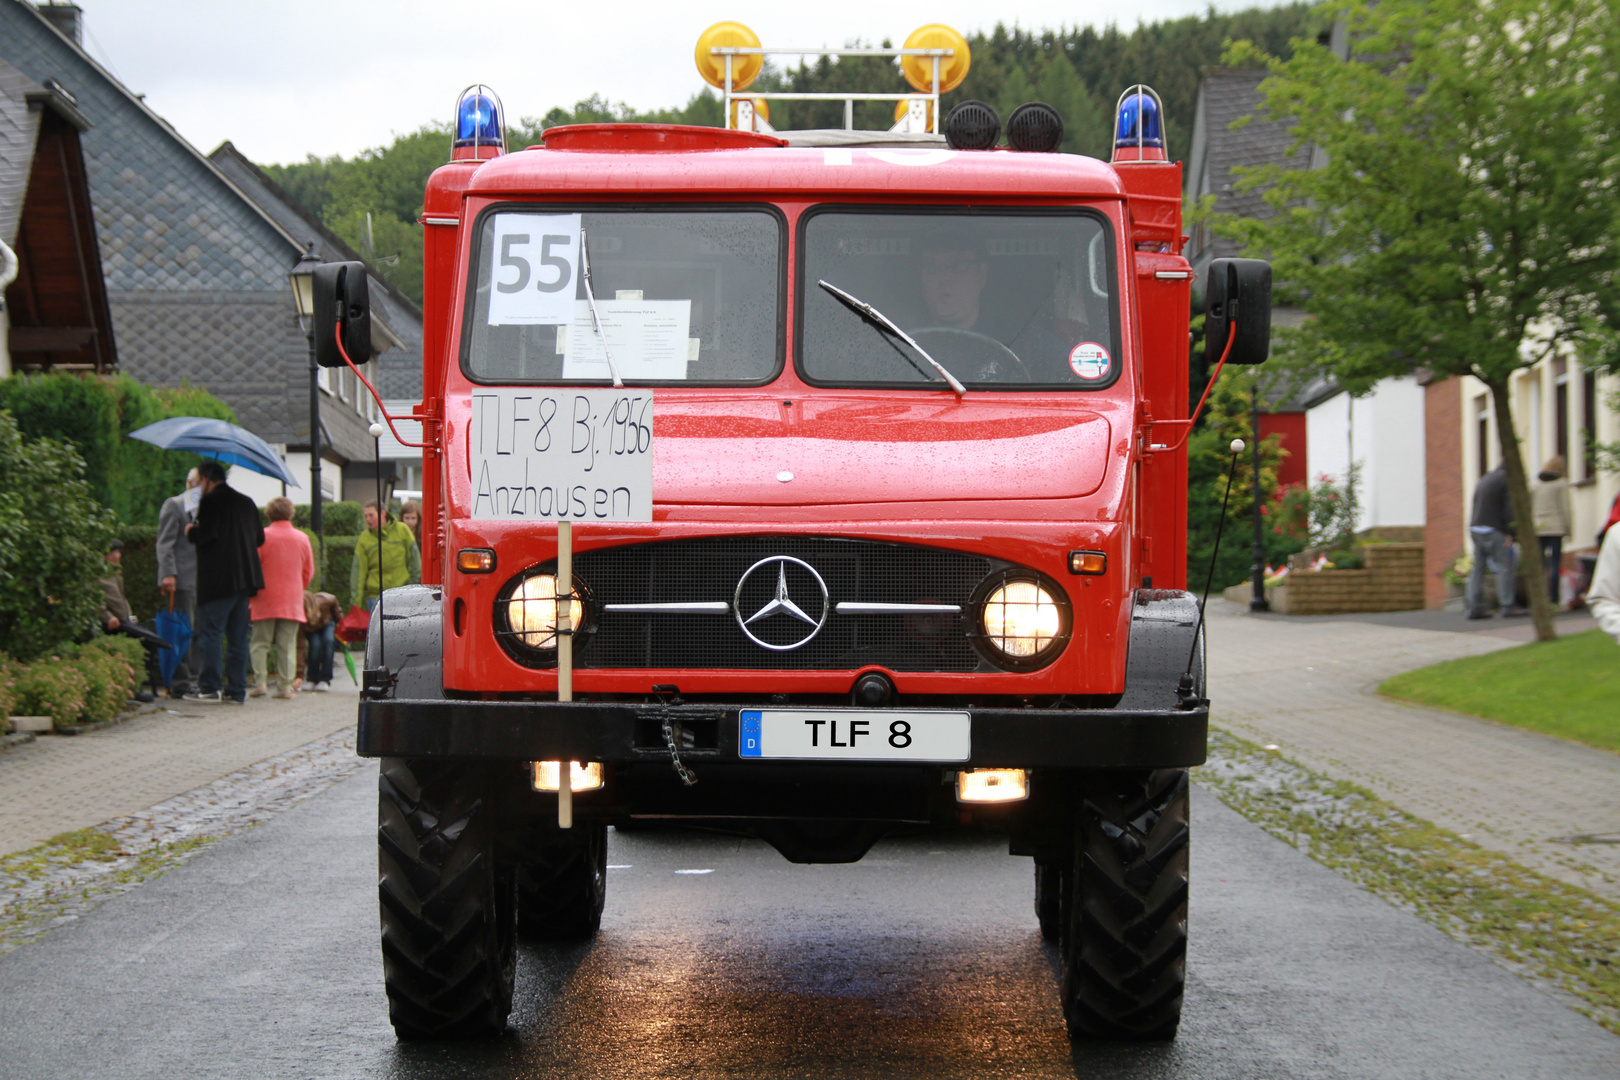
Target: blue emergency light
[480, 119]
[1139, 120]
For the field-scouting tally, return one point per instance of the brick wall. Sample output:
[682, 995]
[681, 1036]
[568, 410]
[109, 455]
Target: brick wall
[1392, 581]
[1444, 513]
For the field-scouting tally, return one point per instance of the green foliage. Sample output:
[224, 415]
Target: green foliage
[53, 539]
[1463, 220]
[139, 564]
[1569, 688]
[128, 476]
[1320, 515]
[337, 518]
[1227, 417]
[339, 564]
[89, 683]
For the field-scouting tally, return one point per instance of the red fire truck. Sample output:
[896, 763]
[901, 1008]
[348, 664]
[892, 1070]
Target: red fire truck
[876, 518]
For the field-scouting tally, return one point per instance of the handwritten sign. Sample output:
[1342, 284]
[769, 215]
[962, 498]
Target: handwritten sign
[561, 454]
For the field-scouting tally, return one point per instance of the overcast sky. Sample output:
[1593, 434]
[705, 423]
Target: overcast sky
[288, 78]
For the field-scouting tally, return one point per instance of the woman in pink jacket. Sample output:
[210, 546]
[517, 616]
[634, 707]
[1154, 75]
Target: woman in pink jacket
[278, 608]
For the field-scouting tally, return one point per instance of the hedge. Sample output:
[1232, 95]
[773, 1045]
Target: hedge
[129, 477]
[78, 683]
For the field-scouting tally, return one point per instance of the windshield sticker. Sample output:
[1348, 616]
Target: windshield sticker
[649, 339]
[535, 270]
[1090, 361]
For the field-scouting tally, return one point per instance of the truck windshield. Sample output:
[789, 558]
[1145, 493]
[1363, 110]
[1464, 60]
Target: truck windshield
[1009, 301]
[680, 296]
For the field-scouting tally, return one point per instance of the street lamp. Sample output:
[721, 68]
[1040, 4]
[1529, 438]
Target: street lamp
[302, 278]
[1258, 601]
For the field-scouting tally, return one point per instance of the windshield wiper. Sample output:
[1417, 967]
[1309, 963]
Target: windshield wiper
[872, 314]
[590, 295]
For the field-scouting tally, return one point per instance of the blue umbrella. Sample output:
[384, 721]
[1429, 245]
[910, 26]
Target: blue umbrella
[217, 439]
[174, 627]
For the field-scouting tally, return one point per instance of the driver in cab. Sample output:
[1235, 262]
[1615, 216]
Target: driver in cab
[954, 273]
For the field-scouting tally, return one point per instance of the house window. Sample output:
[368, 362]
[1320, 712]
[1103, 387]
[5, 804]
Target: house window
[1482, 432]
[1561, 407]
[1588, 424]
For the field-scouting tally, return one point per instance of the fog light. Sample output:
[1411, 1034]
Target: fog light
[581, 777]
[991, 785]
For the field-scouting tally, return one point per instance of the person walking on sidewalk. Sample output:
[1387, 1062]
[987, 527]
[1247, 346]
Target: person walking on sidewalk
[1549, 502]
[1491, 528]
[390, 543]
[177, 571]
[278, 609]
[227, 535]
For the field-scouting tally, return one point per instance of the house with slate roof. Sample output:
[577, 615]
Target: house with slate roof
[195, 269]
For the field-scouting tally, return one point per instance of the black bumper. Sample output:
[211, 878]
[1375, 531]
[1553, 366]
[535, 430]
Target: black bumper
[619, 732]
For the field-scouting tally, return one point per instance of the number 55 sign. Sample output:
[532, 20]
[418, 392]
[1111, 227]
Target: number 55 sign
[533, 269]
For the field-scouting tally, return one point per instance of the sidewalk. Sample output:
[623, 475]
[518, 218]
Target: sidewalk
[1306, 684]
[58, 784]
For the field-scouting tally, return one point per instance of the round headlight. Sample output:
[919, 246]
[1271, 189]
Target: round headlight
[531, 612]
[1021, 619]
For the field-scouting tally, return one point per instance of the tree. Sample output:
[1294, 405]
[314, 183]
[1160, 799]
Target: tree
[1464, 221]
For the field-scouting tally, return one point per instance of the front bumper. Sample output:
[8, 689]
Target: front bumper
[625, 732]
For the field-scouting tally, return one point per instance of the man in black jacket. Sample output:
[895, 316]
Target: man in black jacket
[227, 534]
[1491, 528]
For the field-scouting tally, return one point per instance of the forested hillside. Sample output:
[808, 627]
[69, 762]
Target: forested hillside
[1080, 72]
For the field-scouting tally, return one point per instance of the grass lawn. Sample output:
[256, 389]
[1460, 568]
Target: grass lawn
[1569, 688]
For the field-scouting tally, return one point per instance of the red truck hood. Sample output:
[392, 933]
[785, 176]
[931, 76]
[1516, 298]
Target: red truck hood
[825, 451]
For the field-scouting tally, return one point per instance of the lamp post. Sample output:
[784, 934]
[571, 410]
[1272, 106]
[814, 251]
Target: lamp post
[302, 278]
[1258, 601]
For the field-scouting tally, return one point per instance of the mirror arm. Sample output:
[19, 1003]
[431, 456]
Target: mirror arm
[381, 408]
[1186, 425]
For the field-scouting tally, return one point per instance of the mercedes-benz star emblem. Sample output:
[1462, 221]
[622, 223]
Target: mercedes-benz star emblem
[782, 603]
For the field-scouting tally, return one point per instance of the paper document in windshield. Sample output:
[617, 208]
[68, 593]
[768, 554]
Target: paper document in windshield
[647, 337]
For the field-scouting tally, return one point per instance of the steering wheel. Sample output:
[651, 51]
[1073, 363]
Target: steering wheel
[992, 361]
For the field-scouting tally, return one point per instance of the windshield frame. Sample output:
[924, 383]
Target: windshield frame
[803, 282]
[528, 206]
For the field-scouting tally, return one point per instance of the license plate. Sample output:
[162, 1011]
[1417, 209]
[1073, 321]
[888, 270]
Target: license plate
[843, 735]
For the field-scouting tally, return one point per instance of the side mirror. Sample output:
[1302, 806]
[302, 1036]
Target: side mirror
[1237, 300]
[341, 302]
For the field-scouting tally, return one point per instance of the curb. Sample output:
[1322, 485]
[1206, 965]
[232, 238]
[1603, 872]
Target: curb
[97, 725]
[11, 742]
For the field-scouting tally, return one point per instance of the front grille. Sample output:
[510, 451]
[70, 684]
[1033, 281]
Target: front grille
[685, 571]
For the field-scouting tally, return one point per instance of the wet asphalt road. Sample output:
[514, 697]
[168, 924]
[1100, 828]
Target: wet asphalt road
[259, 958]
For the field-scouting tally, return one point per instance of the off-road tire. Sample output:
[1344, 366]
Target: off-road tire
[448, 909]
[1125, 960]
[1050, 901]
[561, 885]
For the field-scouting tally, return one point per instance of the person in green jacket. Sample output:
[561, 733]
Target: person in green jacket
[401, 560]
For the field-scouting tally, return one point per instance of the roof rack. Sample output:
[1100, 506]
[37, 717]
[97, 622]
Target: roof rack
[730, 56]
